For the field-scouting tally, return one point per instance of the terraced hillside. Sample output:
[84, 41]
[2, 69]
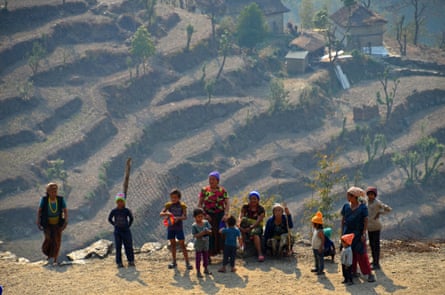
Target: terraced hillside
[85, 108]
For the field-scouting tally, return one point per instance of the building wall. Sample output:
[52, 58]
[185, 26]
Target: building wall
[361, 36]
[275, 23]
[296, 66]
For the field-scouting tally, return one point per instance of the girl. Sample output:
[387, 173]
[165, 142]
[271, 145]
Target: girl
[318, 243]
[201, 229]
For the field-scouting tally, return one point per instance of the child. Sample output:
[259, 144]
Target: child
[201, 229]
[122, 218]
[346, 258]
[375, 208]
[318, 243]
[177, 210]
[231, 233]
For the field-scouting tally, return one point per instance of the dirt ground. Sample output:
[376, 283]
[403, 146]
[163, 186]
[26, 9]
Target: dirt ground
[406, 269]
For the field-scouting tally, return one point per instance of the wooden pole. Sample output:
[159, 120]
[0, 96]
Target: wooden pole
[127, 176]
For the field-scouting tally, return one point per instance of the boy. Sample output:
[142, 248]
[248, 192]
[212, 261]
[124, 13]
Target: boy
[122, 219]
[231, 233]
[375, 209]
[201, 229]
[346, 258]
[178, 210]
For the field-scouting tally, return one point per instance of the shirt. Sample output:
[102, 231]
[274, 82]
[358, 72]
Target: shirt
[375, 208]
[177, 209]
[121, 218]
[316, 240]
[346, 256]
[230, 234]
[202, 243]
[213, 201]
[53, 209]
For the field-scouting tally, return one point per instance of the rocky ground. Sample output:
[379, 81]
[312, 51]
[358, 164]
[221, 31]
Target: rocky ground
[407, 268]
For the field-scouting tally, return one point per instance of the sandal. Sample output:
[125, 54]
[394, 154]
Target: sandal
[172, 265]
[207, 272]
[261, 258]
[221, 270]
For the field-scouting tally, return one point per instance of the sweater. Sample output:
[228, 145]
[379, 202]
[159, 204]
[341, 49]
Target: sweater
[376, 208]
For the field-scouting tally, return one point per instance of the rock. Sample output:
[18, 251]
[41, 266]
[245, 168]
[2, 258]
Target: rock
[304, 242]
[150, 247]
[99, 249]
[190, 246]
[8, 256]
[23, 260]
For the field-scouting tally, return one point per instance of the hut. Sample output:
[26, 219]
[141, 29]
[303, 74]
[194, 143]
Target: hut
[296, 62]
[312, 42]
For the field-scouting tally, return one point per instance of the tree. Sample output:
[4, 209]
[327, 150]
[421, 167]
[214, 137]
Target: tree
[212, 8]
[408, 162]
[225, 44]
[373, 146]
[209, 88]
[36, 55]
[150, 9]
[401, 33]
[142, 47]
[278, 96]
[321, 19]
[389, 95]
[190, 30]
[306, 13]
[324, 179]
[419, 7]
[251, 26]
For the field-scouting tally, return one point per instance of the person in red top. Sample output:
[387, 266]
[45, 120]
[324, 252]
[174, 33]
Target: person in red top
[213, 199]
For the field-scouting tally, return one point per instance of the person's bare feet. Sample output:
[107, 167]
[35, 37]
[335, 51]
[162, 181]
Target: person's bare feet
[222, 269]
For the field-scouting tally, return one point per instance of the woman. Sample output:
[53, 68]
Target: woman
[214, 200]
[277, 235]
[52, 218]
[251, 222]
[355, 220]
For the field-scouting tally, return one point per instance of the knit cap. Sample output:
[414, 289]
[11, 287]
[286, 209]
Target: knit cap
[254, 193]
[120, 197]
[348, 238]
[318, 218]
[214, 174]
[371, 189]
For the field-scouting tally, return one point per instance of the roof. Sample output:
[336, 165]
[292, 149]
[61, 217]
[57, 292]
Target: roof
[269, 7]
[360, 17]
[297, 54]
[310, 41]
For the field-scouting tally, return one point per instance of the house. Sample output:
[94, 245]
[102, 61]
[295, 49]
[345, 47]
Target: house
[296, 62]
[362, 27]
[310, 41]
[273, 10]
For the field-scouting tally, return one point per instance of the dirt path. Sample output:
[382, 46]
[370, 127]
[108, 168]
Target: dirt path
[403, 273]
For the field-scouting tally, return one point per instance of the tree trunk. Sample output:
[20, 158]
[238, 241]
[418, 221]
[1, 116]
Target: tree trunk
[221, 67]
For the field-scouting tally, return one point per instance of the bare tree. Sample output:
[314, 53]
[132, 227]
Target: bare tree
[212, 8]
[419, 7]
[401, 33]
[366, 3]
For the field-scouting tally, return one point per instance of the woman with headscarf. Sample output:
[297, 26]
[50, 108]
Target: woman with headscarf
[276, 234]
[52, 218]
[355, 220]
[251, 222]
[213, 199]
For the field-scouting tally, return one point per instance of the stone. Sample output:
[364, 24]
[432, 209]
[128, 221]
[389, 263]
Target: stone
[8, 256]
[100, 249]
[150, 247]
[23, 260]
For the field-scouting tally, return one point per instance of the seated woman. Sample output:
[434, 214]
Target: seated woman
[251, 222]
[276, 235]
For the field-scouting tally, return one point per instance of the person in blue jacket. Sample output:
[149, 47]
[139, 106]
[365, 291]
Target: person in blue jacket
[277, 236]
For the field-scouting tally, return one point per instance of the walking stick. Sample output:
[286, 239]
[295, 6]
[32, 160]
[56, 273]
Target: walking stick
[127, 176]
[288, 230]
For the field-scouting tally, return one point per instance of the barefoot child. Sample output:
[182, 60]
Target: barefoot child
[201, 230]
[176, 211]
[122, 218]
[231, 233]
[346, 258]
[318, 243]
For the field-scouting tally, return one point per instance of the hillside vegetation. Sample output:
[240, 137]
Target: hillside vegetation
[83, 112]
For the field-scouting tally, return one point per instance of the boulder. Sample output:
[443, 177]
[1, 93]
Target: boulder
[99, 249]
[150, 247]
[6, 255]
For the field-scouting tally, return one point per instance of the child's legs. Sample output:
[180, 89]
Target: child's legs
[374, 242]
[226, 254]
[184, 250]
[316, 262]
[171, 236]
[205, 257]
[320, 261]
[232, 255]
[343, 271]
[198, 255]
[128, 245]
[118, 244]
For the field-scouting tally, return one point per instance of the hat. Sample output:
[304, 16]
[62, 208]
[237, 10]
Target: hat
[120, 197]
[214, 174]
[277, 205]
[356, 191]
[348, 238]
[254, 193]
[318, 218]
[372, 189]
[327, 232]
[50, 185]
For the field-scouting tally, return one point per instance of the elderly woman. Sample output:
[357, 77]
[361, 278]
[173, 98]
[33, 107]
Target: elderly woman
[251, 222]
[355, 220]
[52, 218]
[213, 199]
[277, 235]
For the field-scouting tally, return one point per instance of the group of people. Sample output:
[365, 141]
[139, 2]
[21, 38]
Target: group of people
[215, 230]
[359, 220]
